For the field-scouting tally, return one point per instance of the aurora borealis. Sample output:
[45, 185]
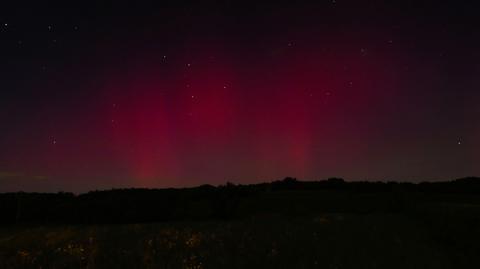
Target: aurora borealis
[172, 95]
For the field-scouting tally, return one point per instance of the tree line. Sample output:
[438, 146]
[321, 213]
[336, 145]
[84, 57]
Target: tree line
[229, 201]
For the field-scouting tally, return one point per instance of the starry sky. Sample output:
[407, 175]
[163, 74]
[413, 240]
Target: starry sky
[127, 94]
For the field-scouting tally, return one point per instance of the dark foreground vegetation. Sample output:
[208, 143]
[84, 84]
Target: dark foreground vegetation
[283, 224]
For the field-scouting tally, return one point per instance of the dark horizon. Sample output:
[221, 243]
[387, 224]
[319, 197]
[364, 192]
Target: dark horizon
[46, 189]
[291, 197]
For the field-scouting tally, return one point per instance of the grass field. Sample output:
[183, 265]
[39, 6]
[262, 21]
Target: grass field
[323, 241]
[278, 229]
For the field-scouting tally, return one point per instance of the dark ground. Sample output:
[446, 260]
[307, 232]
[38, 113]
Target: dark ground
[285, 224]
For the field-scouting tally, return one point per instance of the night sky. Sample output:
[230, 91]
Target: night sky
[100, 95]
